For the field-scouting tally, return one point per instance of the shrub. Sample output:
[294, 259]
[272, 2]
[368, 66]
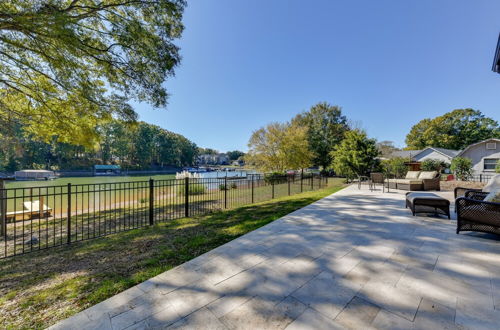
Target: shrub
[461, 167]
[497, 168]
[275, 178]
[395, 166]
[223, 187]
[234, 185]
[194, 189]
[433, 165]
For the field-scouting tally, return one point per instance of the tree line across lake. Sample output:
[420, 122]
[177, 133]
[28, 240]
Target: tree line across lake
[132, 145]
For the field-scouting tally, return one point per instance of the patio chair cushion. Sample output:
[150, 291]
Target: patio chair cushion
[493, 184]
[412, 174]
[493, 196]
[405, 181]
[427, 175]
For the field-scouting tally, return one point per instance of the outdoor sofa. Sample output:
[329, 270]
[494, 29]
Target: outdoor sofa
[417, 180]
[474, 212]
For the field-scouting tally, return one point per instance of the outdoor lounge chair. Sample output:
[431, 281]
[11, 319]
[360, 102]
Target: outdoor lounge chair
[417, 180]
[31, 210]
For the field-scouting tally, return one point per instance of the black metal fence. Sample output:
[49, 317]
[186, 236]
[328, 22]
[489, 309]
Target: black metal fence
[480, 177]
[38, 218]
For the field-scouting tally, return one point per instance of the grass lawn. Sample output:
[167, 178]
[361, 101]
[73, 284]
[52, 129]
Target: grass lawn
[38, 289]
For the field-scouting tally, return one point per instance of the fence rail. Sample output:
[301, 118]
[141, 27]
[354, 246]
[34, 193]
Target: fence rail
[480, 177]
[38, 218]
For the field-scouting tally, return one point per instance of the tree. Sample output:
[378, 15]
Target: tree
[326, 128]
[278, 147]
[386, 148]
[454, 130]
[207, 151]
[355, 155]
[395, 166]
[68, 65]
[234, 155]
[434, 165]
[461, 167]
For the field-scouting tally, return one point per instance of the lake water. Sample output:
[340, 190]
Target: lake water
[114, 179]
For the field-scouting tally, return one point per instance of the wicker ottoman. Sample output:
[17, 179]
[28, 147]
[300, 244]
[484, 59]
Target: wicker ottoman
[421, 202]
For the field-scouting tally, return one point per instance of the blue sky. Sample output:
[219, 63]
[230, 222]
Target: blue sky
[387, 63]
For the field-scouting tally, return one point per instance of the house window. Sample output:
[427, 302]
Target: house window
[489, 164]
[491, 146]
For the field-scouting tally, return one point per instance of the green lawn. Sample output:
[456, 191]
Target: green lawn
[38, 289]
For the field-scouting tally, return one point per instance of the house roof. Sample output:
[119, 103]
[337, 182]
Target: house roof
[446, 152]
[496, 60]
[475, 144]
[405, 153]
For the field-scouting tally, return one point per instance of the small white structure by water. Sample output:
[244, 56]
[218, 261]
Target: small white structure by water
[34, 175]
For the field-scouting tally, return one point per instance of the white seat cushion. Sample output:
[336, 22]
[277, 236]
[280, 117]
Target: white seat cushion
[427, 175]
[412, 175]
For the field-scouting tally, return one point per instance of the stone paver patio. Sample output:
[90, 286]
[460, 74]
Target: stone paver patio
[356, 259]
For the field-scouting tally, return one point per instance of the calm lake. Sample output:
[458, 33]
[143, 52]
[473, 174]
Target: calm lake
[114, 179]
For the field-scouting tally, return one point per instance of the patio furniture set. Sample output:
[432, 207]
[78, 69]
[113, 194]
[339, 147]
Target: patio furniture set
[477, 209]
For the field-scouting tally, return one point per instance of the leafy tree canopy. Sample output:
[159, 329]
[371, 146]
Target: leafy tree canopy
[279, 147]
[326, 128]
[137, 146]
[68, 65]
[454, 130]
[355, 155]
[386, 148]
[234, 155]
[207, 151]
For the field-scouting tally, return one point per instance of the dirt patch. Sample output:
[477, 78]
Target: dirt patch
[451, 185]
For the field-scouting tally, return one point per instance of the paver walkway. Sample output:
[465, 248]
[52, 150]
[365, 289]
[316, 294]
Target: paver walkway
[356, 259]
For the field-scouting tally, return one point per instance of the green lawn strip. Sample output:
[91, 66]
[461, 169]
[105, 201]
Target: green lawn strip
[40, 288]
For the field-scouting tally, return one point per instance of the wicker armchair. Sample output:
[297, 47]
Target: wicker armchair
[474, 214]
[460, 191]
[432, 184]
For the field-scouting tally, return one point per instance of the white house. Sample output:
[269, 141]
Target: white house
[484, 155]
[444, 155]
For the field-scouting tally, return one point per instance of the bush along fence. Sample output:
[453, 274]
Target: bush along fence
[38, 218]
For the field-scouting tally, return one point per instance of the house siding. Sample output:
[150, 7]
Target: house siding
[431, 154]
[478, 153]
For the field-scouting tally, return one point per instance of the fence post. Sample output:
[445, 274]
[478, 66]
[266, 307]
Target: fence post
[151, 201]
[288, 179]
[302, 180]
[480, 178]
[68, 217]
[225, 192]
[312, 181]
[186, 197]
[3, 209]
[253, 177]
[272, 188]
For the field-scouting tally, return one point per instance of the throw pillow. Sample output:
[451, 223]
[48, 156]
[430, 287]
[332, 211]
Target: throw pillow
[412, 175]
[493, 196]
[493, 184]
[427, 175]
